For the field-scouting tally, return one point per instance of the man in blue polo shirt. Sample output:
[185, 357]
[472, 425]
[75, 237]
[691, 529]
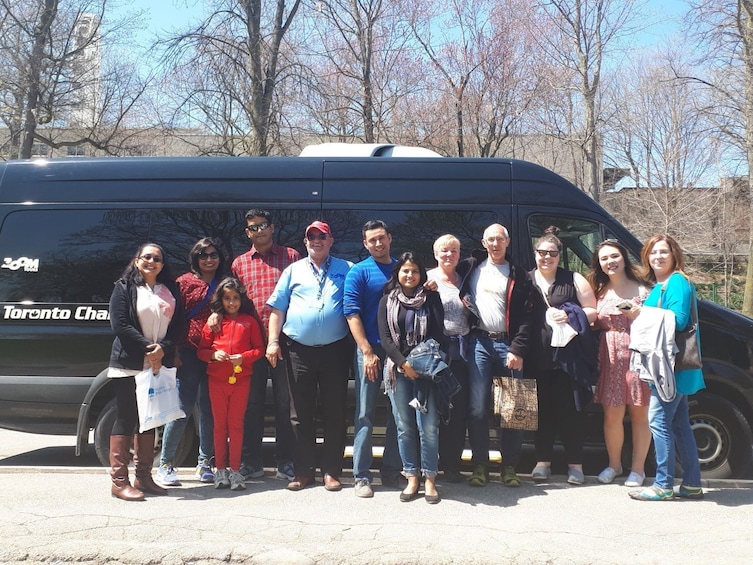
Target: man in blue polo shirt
[308, 326]
[364, 286]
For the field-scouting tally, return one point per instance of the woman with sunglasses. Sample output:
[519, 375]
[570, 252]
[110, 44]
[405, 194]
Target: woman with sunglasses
[146, 314]
[560, 297]
[619, 290]
[207, 269]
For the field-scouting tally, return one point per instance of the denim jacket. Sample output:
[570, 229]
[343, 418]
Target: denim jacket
[428, 361]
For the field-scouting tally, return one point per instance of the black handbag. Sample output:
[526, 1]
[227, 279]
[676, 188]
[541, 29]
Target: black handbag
[689, 353]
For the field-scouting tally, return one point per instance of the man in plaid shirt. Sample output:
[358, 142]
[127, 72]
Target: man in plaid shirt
[258, 270]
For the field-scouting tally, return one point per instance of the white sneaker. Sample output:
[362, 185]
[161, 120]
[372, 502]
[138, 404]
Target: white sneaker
[221, 479]
[608, 475]
[236, 481]
[167, 476]
[635, 479]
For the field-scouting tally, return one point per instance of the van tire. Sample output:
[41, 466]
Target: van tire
[723, 437]
[185, 454]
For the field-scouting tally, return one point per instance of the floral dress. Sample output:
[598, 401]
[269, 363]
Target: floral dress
[617, 384]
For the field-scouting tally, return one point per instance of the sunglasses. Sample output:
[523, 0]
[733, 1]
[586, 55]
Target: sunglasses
[547, 253]
[212, 255]
[257, 227]
[315, 236]
[152, 258]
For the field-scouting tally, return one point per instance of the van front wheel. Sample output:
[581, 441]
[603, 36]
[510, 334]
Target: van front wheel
[185, 454]
[723, 437]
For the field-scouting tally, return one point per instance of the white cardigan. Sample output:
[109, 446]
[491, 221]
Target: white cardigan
[652, 341]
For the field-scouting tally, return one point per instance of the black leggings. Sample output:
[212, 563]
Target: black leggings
[128, 412]
[558, 416]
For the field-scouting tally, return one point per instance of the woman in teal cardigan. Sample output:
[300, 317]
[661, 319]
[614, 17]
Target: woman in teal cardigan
[664, 262]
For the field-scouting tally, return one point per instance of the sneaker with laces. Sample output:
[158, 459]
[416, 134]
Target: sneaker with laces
[204, 472]
[237, 482]
[221, 479]
[362, 488]
[692, 493]
[251, 472]
[167, 476]
[609, 474]
[652, 493]
[285, 471]
[479, 477]
[510, 477]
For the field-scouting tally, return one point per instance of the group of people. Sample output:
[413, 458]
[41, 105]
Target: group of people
[431, 340]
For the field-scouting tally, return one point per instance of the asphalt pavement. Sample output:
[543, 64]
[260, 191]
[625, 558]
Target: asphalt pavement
[57, 513]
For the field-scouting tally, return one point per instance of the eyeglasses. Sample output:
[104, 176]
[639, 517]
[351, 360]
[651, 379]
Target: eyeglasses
[257, 227]
[547, 253]
[315, 236]
[212, 255]
[152, 258]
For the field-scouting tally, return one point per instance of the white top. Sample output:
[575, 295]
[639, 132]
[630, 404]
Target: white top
[489, 287]
[455, 313]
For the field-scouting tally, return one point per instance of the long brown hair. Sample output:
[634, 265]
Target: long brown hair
[596, 276]
[678, 257]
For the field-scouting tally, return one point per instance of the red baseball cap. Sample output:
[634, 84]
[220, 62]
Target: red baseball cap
[317, 225]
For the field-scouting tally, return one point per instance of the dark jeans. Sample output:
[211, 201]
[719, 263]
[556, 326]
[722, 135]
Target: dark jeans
[452, 434]
[318, 372]
[557, 413]
[254, 423]
[127, 420]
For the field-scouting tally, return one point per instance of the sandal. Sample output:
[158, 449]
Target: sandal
[510, 477]
[478, 478]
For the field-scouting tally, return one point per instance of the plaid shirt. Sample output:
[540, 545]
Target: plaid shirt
[259, 274]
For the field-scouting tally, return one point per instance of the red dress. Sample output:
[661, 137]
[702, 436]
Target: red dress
[617, 385]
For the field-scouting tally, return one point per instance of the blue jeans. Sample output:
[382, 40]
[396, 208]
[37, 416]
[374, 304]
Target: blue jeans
[488, 358]
[412, 425]
[192, 386]
[367, 393]
[670, 427]
[253, 432]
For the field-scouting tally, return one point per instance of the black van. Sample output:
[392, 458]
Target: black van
[68, 227]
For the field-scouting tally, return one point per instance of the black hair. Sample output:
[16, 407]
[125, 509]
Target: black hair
[132, 273]
[374, 225]
[199, 247]
[407, 257]
[259, 213]
[231, 283]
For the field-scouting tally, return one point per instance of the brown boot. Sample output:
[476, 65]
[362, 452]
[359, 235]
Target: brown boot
[143, 459]
[120, 447]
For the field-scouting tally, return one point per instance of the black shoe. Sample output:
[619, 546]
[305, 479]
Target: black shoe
[408, 496]
[432, 498]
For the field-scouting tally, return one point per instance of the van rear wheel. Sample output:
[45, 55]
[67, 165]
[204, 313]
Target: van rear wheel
[185, 454]
[723, 437]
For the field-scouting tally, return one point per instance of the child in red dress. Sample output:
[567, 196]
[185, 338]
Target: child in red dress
[230, 354]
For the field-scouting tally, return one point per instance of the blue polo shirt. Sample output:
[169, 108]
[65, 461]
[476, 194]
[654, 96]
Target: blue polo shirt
[313, 310]
[364, 286]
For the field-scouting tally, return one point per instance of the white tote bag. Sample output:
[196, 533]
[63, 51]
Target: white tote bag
[157, 398]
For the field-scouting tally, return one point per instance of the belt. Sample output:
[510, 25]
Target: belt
[496, 336]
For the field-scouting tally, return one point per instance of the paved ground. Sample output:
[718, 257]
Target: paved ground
[57, 514]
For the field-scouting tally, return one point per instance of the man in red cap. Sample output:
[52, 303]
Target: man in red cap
[307, 324]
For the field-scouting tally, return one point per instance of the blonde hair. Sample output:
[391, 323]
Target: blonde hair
[444, 241]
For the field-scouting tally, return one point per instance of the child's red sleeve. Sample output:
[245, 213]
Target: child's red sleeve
[257, 348]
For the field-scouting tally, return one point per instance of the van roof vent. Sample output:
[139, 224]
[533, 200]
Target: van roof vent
[365, 150]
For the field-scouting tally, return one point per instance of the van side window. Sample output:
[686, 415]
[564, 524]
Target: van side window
[67, 256]
[579, 238]
[412, 230]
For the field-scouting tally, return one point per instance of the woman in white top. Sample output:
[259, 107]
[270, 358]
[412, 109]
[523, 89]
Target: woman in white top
[456, 327]
[146, 315]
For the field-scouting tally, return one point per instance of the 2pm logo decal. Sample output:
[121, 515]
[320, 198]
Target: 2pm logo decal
[27, 263]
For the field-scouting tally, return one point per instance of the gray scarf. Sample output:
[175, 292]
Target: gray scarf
[416, 325]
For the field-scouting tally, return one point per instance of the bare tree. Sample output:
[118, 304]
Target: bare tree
[724, 33]
[579, 34]
[239, 47]
[53, 75]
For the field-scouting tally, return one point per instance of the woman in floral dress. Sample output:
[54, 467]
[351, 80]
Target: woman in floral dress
[619, 290]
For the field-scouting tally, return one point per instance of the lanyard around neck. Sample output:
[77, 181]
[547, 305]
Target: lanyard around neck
[320, 275]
